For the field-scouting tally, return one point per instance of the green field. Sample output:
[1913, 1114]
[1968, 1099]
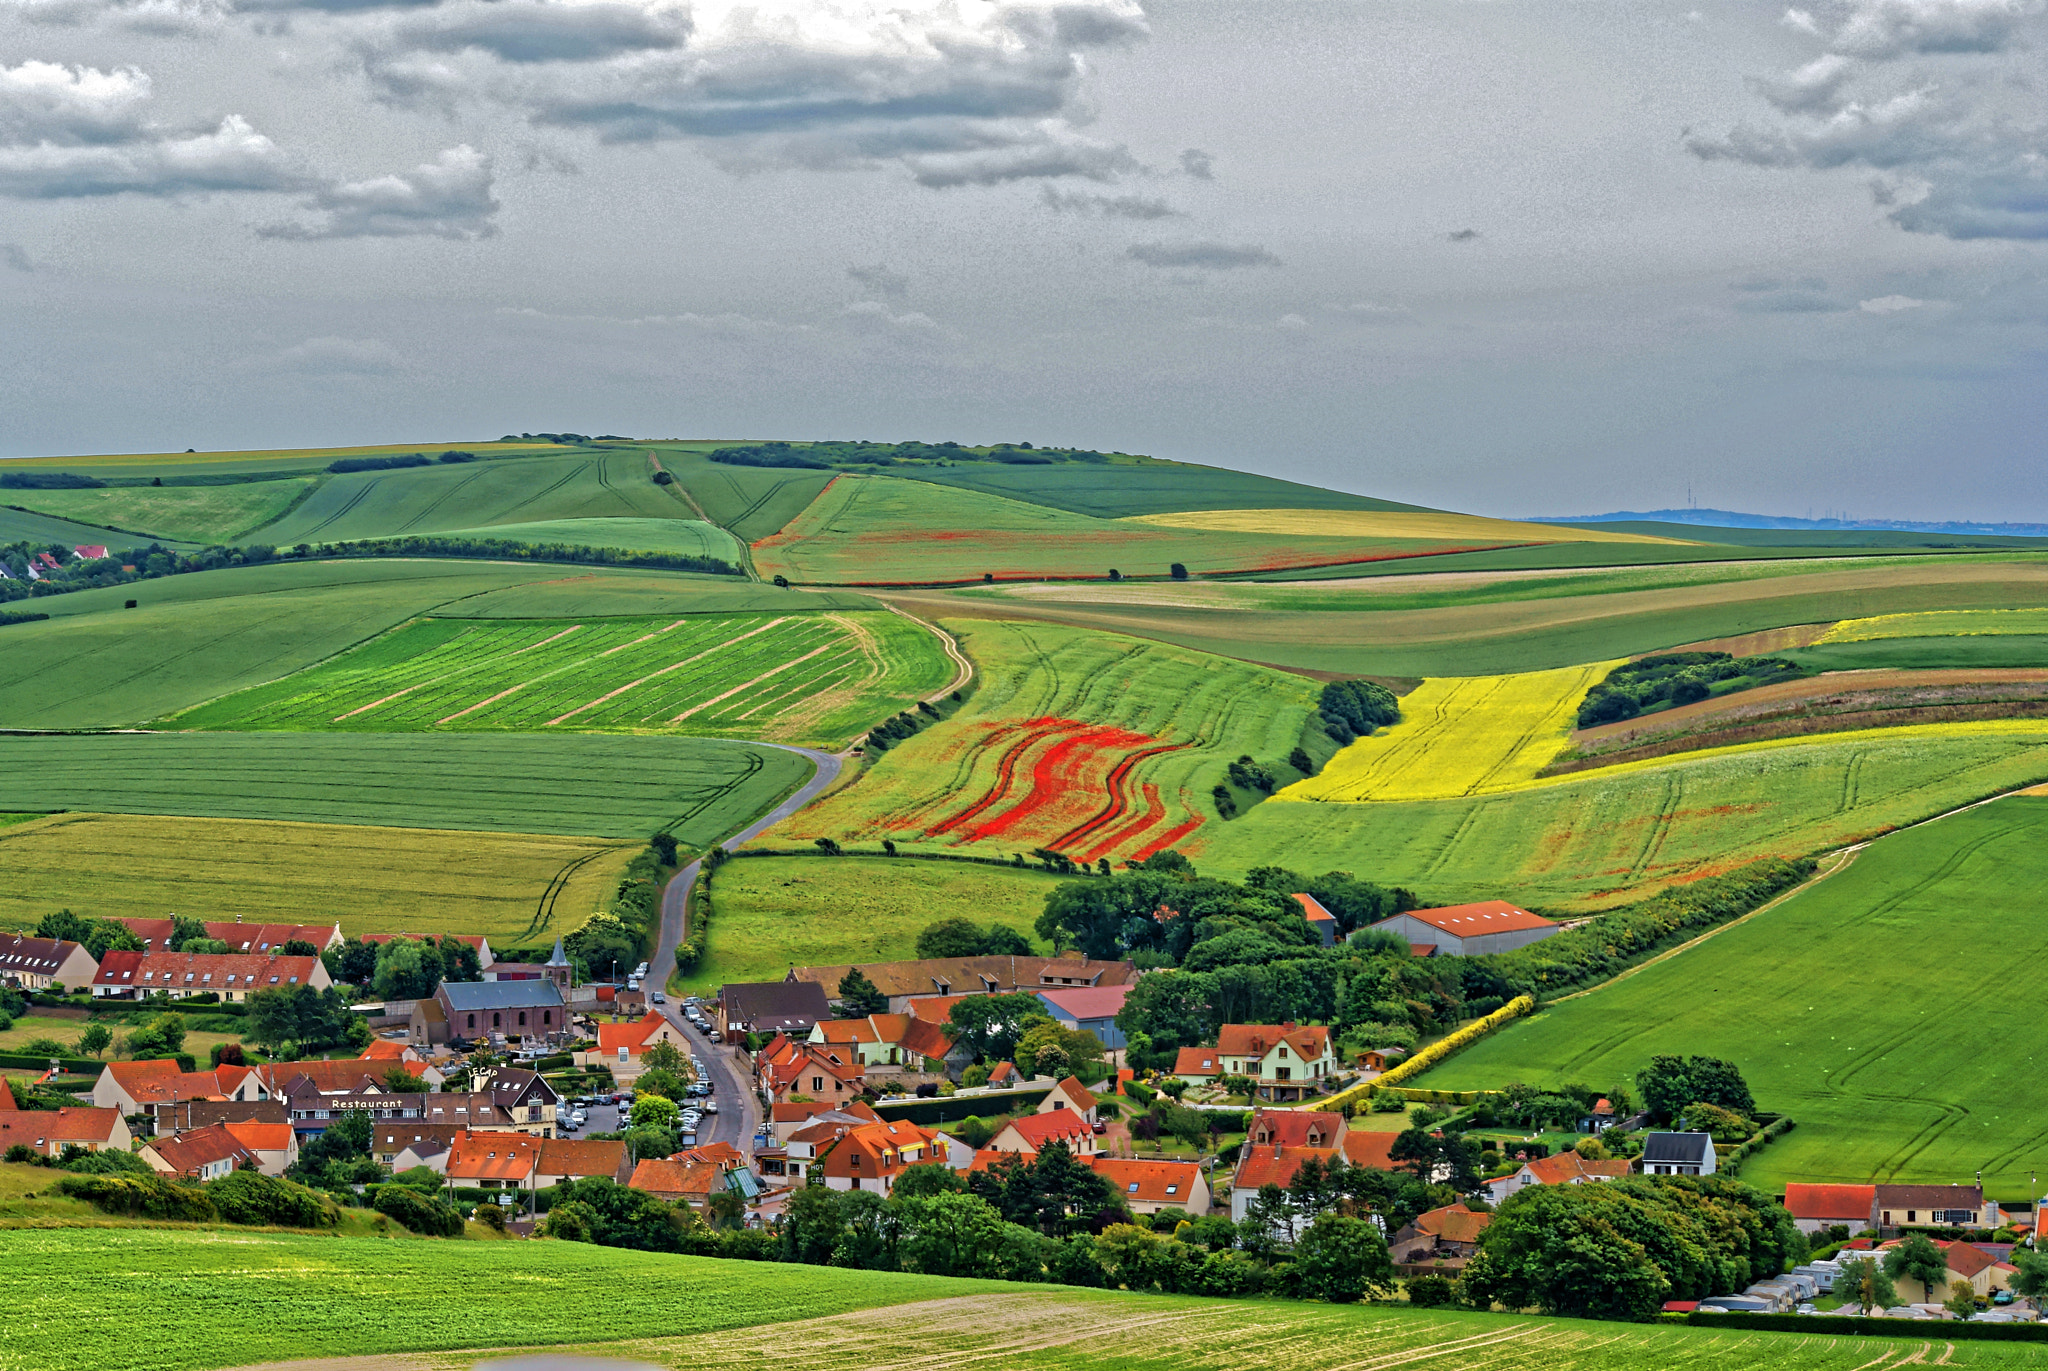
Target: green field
[1121, 490]
[773, 913]
[1066, 729]
[511, 887]
[26, 526]
[1601, 837]
[196, 637]
[1902, 654]
[796, 677]
[273, 1296]
[1494, 624]
[619, 593]
[193, 514]
[589, 785]
[884, 530]
[751, 501]
[1821, 1003]
[681, 537]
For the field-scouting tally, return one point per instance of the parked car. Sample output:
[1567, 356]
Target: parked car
[566, 1125]
[717, 1036]
[1101, 1127]
[711, 1106]
[658, 997]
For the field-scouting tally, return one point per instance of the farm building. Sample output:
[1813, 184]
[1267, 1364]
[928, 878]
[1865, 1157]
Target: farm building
[38, 963]
[1444, 1238]
[1092, 1009]
[231, 975]
[1469, 930]
[905, 982]
[1932, 1206]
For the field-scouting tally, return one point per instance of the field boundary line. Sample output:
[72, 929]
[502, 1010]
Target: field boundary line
[474, 666]
[663, 672]
[798, 661]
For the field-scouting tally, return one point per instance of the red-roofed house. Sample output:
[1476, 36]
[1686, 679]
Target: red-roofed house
[1148, 1187]
[1445, 1237]
[1816, 1207]
[90, 552]
[38, 963]
[274, 1145]
[1089, 1009]
[230, 975]
[620, 1045]
[572, 1159]
[886, 1043]
[203, 1154]
[817, 1073]
[1197, 1064]
[265, 939]
[134, 1086]
[692, 1176]
[1967, 1263]
[1320, 919]
[1470, 930]
[1560, 1168]
[493, 1160]
[873, 1155]
[1271, 1164]
[1287, 1061]
[1030, 1134]
[50, 1131]
[786, 1119]
[1070, 1094]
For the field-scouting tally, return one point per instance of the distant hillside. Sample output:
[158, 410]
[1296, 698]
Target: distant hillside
[1728, 518]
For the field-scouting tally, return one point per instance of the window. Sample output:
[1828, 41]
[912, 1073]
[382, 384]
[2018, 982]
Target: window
[1173, 1189]
[497, 1019]
[547, 1016]
[522, 1018]
[472, 1021]
[1134, 1188]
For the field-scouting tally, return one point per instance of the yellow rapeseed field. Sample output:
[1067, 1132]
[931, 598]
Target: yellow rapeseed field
[1460, 735]
[1938, 623]
[1390, 523]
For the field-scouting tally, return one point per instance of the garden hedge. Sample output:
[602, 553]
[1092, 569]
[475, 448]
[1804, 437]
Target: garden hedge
[1434, 1053]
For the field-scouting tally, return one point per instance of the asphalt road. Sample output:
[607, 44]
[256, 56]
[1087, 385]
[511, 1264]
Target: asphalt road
[675, 899]
[739, 1112]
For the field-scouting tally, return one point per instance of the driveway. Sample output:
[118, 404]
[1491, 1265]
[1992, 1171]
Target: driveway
[675, 899]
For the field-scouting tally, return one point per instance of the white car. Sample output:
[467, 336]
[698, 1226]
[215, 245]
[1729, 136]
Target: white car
[711, 1106]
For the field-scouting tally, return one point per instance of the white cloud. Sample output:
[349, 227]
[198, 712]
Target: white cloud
[68, 132]
[1294, 323]
[449, 197]
[1889, 304]
[881, 280]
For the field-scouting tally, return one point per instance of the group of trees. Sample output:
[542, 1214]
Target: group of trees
[828, 455]
[1353, 709]
[403, 968]
[1674, 678]
[964, 938]
[97, 936]
[305, 1018]
[1620, 1249]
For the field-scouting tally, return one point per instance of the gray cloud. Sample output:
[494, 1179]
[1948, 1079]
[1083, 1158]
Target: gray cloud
[1198, 164]
[449, 197]
[1940, 97]
[1463, 235]
[531, 31]
[15, 257]
[1108, 206]
[1806, 295]
[881, 280]
[1203, 256]
[342, 356]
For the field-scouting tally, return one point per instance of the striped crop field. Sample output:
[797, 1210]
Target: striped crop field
[1468, 735]
[778, 677]
[584, 784]
[1940, 623]
[883, 530]
[1602, 837]
[1089, 743]
[506, 886]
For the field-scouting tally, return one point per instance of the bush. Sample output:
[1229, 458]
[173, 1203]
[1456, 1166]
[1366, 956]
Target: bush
[253, 1198]
[147, 1197]
[1432, 1292]
[421, 1213]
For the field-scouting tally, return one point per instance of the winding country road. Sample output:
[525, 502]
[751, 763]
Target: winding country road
[675, 899]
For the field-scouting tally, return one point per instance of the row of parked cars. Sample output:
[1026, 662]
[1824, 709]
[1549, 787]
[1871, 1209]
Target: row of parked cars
[1796, 1291]
[693, 1010]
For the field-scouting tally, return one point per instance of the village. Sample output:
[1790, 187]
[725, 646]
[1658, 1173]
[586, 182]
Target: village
[500, 1096]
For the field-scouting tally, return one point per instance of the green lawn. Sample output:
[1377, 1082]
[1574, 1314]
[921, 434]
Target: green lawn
[593, 785]
[773, 913]
[804, 677]
[1603, 837]
[82, 1295]
[197, 514]
[1850, 1007]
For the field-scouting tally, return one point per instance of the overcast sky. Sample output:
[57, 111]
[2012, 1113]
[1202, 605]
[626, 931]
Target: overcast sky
[1517, 258]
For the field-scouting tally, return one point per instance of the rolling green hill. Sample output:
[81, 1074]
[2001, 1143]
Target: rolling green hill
[1841, 1008]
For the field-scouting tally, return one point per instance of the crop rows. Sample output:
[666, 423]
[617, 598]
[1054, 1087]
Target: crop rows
[1088, 743]
[1458, 736]
[760, 675]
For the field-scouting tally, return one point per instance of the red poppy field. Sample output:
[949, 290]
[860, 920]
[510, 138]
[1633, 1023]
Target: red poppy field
[1090, 744]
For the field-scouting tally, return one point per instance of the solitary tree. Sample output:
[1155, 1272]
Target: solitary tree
[95, 1040]
[859, 996]
[1342, 1259]
[1917, 1258]
[1178, 572]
